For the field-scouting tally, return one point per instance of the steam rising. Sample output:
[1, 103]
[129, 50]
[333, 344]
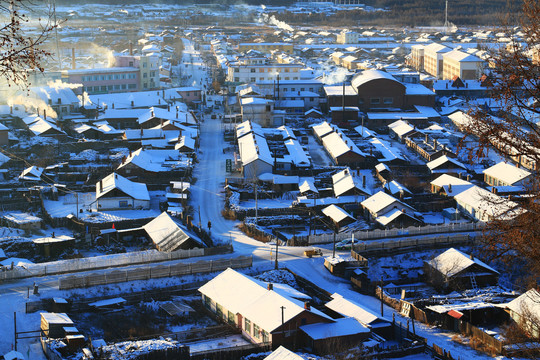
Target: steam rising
[271, 20]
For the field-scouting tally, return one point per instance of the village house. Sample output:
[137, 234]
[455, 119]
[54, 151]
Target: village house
[264, 313]
[115, 192]
[525, 311]
[504, 175]
[350, 308]
[449, 185]
[483, 205]
[346, 183]
[342, 150]
[446, 165]
[454, 270]
[168, 234]
[387, 211]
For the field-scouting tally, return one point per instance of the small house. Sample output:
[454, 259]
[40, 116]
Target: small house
[53, 324]
[115, 192]
[325, 338]
[454, 270]
[168, 234]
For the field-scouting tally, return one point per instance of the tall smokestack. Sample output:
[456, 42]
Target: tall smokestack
[73, 63]
[130, 48]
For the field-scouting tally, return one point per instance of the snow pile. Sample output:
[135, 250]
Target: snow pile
[118, 153]
[278, 276]
[133, 349]
[88, 155]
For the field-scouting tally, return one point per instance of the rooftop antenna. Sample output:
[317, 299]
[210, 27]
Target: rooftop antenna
[446, 23]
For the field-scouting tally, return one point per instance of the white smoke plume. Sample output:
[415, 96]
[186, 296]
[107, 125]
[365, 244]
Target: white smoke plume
[103, 54]
[33, 104]
[271, 20]
[58, 85]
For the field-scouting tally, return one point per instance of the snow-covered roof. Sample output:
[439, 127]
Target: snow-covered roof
[352, 309]
[296, 153]
[141, 99]
[434, 164]
[322, 129]
[113, 181]
[340, 327]
[57, 93]
[485, 202]
[395, 187]
[461, 56]
[345, 180]
[451, 184]
[337, 144]
[242, 294]
[254, 147]
[308, 185]
[509, 174]
[393, 214]
[157, 160]
[380, 167]
[248, 127]
[526, 303]
[33, 173]
[370, 75]
[453, 261]
[282, 353]
[381, 200]
[337, 90]
[436, 48]
[401, 127]
[336, 213]
[388, 152]
[365, 132]
[169, 234]
[21, 217]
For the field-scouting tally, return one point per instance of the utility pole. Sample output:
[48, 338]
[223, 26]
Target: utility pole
[382, 303]
[15, 328]
[256, 204]
[276, 266]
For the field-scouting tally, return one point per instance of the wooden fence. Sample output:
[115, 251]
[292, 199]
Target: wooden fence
[390, 233]
[387, 246]
[106, 261]
[153, 272]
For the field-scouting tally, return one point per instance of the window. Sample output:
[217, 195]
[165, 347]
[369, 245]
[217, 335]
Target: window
[230, 316]
[207, 301]
[132, 86]
[252, 79]
[236, 70]
[236, 79]
[109, 77]
[247, 326]
[123, 76]
[116, 76]
[144, 65]
[311, 99]
[131, 63]
[302, 89]
[123, 204]
[375, 101]
[265, 337]
[293, 89]
[388, 100]
[287, 78]
[124, 86]
[152, 73]
[284, 89]
[144, 75]
[311, 89]
[252, 70]
[116, 87]
[268, 108]
[103, 88]
[145, 85]
[109, 87]
[256, 331]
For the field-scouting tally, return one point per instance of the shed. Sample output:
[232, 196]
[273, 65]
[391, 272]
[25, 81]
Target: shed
[169, 234]
[323, 338]
[53, 324]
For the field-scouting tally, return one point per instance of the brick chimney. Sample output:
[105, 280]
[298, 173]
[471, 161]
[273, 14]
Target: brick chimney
[307, 306]
[270, 286]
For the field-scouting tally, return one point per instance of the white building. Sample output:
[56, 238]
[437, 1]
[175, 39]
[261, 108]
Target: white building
[115, 192]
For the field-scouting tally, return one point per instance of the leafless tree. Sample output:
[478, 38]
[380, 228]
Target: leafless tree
[514, 133]
[24, 28]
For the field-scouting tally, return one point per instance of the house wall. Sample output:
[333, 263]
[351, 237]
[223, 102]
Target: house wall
[121, 203]
[256, 168]
[4, 137]
[104, 81]
[381, 93]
